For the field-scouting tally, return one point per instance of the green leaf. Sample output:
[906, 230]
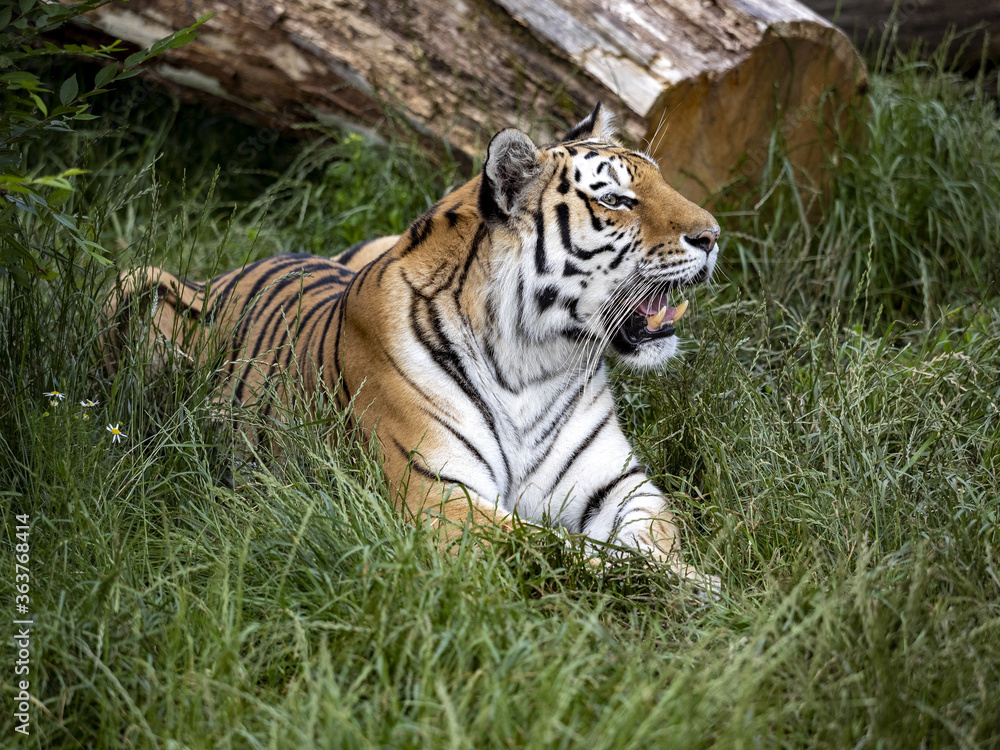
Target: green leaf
[39, 103]
[66, 221]
[59, 197]
[69, 90]
[25, 5]
[181, 38]
[5, 16]
[135, 59]
[20, 80]
[105, 75]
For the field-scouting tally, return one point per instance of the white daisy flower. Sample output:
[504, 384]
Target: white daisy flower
[55, 397]
[87, 403]
[116, 433]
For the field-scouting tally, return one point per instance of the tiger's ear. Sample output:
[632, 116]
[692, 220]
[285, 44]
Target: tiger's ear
[599, 125]
[512, 162]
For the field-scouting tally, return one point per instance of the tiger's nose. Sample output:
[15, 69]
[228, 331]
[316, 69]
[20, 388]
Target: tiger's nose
[704, 241]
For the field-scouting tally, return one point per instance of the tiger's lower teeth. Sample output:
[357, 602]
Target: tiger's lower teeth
[654, 322]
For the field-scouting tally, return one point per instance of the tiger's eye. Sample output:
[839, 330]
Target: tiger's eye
[610, 199]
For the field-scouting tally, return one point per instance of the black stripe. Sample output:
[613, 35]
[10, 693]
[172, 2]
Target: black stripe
[546, 297]
[303, 337]
[262, 306]
[464, 441]
[522, 328]
[314, 311]
[562, 413]
[426, 472]
[588, 254]
[582, 447]
[596, 500]
[616, 523]
[448, 360]
[364, 272]
[477, 241]
[412, 383]
[540, 265]
[334, 309]
[574, 333]
[595, 222]
[501, 377]
[621, 255]
[348, 255]
[279, 263]
[338, 336]
[563, 181]
[278, 283]
[219, 299]
[268, 333]
[570, 306]
[562, 217]
[421, 228]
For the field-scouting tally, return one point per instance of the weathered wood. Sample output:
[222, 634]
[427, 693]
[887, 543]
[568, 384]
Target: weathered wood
[700, 82]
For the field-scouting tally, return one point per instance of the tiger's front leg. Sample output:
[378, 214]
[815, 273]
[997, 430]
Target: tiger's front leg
[446, 507]
[633, 513]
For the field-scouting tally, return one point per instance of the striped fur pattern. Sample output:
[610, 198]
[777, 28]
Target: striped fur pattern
[474, 343]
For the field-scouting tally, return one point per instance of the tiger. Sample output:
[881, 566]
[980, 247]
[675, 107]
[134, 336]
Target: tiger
[473, 345]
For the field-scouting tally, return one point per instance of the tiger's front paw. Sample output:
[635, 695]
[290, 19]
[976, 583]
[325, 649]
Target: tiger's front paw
[659, 540]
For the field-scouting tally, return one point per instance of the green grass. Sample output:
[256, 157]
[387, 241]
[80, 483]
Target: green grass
[832, 439]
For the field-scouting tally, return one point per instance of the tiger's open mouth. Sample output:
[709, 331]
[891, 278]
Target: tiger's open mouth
[651, 319]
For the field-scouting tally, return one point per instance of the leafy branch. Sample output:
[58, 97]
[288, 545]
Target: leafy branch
[32, 107]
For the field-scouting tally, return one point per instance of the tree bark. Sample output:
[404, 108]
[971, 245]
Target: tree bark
[700, 83]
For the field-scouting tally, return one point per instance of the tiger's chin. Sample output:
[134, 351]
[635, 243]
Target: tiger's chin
[638, 347]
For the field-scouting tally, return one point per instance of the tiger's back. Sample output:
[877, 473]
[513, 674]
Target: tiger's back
[249, 324]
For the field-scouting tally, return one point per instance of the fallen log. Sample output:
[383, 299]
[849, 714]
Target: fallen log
[700, 83]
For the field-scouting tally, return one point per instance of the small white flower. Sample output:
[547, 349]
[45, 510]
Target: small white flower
[55, 397]
[87, 403]
[116, 434]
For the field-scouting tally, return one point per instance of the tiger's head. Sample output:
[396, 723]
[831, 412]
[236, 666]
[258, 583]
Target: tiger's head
[606, 246]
